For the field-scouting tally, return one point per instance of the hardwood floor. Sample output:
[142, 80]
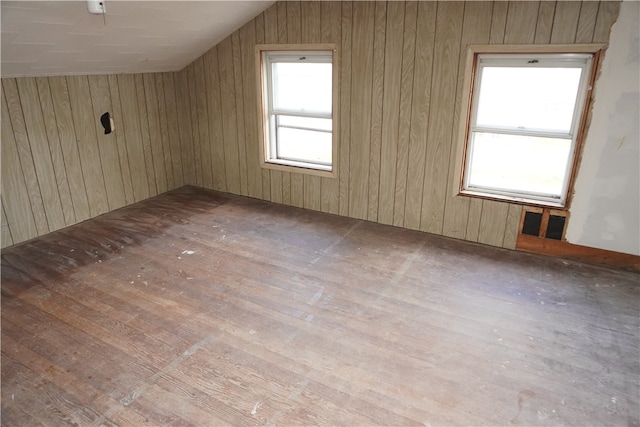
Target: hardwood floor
[201, 308]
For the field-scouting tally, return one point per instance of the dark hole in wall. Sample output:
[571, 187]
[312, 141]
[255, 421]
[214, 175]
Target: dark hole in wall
[555, 227]
[532, 221]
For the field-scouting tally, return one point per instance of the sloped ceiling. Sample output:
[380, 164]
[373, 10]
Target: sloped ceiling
[45, 38]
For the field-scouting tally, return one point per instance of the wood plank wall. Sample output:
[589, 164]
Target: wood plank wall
[400, 89]
[58, 166]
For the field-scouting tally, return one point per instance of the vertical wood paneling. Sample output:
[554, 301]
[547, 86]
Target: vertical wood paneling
[607, 13]
[39, 145]
[60, 168]
[422, 81]
[377, 92]
[147, 149]
[164, 131]
[14, 107]
[361, 87]
[266, 173]
[203, 122]
[69, 146]
[545, 22]
[345, 107]
[215, 113]
[390, 112]
[101, 100]
[406, 94]
[400, 93]
[492, 223]
[476, 30]
[172, 125]
[521, 22]
[229, 112]
[511, 226]
[185, 125]
[254, 172]
[121, 142]
[498, 22]
[473, 220]
[133, 136]
[55, 149]
[192, 97]
[445, 70]
[587, 21]
[19, 214]
[157, 150]
[565, 22]
[331, 33]
[85, 126]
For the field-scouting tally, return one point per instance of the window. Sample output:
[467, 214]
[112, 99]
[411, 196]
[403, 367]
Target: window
[298, 88]
[523, 124]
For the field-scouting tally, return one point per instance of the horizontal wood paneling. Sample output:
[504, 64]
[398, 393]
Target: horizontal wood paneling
[58, 166]
[401, 74]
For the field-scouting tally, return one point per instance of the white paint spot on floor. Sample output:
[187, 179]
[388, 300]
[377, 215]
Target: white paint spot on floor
[256, 407]
[188, 252]
[252, 332]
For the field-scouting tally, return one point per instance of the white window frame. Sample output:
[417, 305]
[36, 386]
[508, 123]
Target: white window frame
[266, 55]
[580, 56]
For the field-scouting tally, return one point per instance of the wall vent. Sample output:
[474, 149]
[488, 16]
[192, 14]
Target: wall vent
[544, 223]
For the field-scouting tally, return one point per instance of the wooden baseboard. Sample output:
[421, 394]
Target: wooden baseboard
[579, 253]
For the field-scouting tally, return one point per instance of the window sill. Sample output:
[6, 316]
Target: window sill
[511, 199]
[300, 167]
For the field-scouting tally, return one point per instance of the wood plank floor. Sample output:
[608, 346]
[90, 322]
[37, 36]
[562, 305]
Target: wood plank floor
[201, 308]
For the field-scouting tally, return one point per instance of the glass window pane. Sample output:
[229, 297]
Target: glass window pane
[304, 145]
[302, 86]
[305, 122]
[528, 98]
[516, 163]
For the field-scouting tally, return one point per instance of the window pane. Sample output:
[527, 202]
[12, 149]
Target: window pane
[304, 145]
[528, 97]
[522, 164]
[302, 86]
[305, 122]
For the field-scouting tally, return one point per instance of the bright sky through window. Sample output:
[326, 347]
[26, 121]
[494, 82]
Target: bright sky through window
[299, 108]
[525, 116]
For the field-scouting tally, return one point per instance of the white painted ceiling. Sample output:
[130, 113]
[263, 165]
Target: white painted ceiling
[46, 38]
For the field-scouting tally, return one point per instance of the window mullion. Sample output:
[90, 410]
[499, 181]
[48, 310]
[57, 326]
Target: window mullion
[301, 113]
[522, 132]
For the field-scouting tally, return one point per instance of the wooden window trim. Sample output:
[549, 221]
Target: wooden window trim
[595, 49]
[262, 128]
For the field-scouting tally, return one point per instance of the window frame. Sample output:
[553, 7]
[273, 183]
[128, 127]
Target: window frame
[267, 137]
[468, 115]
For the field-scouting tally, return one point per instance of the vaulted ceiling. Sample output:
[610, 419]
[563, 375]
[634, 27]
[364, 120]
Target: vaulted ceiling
[44, 38]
